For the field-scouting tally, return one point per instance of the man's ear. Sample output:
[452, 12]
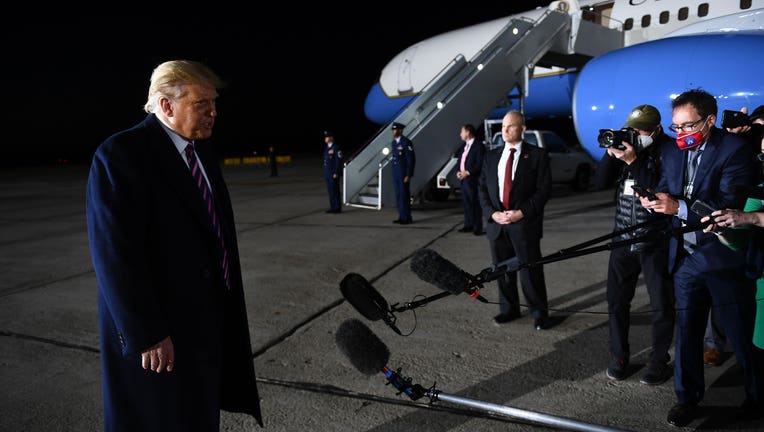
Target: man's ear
[166, 106]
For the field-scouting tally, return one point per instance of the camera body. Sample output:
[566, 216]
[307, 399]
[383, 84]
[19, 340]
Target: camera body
[733, 119]
[613, 138]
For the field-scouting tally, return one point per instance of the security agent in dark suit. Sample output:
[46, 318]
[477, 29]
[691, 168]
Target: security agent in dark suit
[175, 343]
[470, 163]
[332, 171]
[514, 229]
[403, 160]
[709, 165]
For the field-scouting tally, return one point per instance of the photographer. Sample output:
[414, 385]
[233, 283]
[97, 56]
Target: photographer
[635, 153]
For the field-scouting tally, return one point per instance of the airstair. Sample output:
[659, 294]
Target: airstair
[465, 92]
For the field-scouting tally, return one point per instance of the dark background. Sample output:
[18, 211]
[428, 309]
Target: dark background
[291, 72]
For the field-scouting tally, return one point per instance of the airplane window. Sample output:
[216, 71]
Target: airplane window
[628, 24]
[745, 4]
[683, 13]
[663, 17]
[645, 21]
[703, 9]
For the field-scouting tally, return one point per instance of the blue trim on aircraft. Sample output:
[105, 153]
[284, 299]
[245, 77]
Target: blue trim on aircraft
[726, 65]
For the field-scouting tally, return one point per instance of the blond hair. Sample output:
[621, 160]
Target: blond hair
[168, 79]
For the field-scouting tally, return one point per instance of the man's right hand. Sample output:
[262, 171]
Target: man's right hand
[160, 356]
[628, 155]
[664, 204]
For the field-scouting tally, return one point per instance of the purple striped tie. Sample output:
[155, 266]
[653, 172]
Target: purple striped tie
[201, 183]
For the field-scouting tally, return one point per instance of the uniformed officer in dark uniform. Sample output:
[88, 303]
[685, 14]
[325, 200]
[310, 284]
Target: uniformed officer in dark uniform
[403, 161]
[332, 171]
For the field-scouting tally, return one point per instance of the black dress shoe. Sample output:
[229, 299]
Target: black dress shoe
[466, 229]
[504, 318]
[397, 221]
[479, 233]
[406, 222]
[681, 415]
[540, 323]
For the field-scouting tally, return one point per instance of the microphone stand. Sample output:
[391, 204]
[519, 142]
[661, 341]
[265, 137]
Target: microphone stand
[473, 291]
[405, 386]
[512, 264]
[415, 304]
[475, 283]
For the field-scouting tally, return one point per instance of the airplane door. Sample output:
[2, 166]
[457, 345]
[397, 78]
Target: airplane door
[405, 84]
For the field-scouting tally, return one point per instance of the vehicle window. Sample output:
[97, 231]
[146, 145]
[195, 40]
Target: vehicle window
[497, 140]
[530, 138]
[554, 144]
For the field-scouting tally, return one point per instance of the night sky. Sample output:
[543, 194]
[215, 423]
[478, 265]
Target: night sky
[290, 73]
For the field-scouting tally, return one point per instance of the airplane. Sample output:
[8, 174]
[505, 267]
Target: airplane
[668, 46]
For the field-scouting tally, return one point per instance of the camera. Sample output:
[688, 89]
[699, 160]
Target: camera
[732, 119]
[612, 138]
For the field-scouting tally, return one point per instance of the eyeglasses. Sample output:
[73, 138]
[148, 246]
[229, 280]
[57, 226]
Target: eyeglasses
[687, 127]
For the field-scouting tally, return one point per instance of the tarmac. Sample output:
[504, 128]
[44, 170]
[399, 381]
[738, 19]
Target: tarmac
[294, 256]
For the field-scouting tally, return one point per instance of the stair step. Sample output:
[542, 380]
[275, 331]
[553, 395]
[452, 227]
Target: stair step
[368, 199]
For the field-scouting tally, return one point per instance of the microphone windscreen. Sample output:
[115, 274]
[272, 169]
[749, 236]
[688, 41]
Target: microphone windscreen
[362, 347]
[362, 295]
[434, 269]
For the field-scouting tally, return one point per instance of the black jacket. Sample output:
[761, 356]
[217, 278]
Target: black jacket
[644, 171]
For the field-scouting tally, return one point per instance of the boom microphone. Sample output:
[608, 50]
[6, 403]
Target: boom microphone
[432, 268]
[367, 300]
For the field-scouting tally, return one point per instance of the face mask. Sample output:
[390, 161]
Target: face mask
[690, 140]
[644, 141]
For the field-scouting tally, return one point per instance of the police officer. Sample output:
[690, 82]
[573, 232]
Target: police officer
[332, 171]
[403, 161]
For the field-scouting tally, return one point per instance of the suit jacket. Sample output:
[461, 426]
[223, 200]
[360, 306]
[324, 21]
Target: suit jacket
[474, 162]
[725, 169]
[157, 263]
[531, 187]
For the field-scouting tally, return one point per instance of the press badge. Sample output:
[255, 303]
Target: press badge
[627, 184]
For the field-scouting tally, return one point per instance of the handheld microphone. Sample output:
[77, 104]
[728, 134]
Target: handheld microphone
[369, 355]
[367, 300]
[432, 268]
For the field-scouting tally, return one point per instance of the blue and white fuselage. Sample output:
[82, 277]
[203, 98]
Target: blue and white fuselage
[668, 47]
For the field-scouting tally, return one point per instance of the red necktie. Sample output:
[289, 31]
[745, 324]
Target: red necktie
[201, 183]
[508, 179]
